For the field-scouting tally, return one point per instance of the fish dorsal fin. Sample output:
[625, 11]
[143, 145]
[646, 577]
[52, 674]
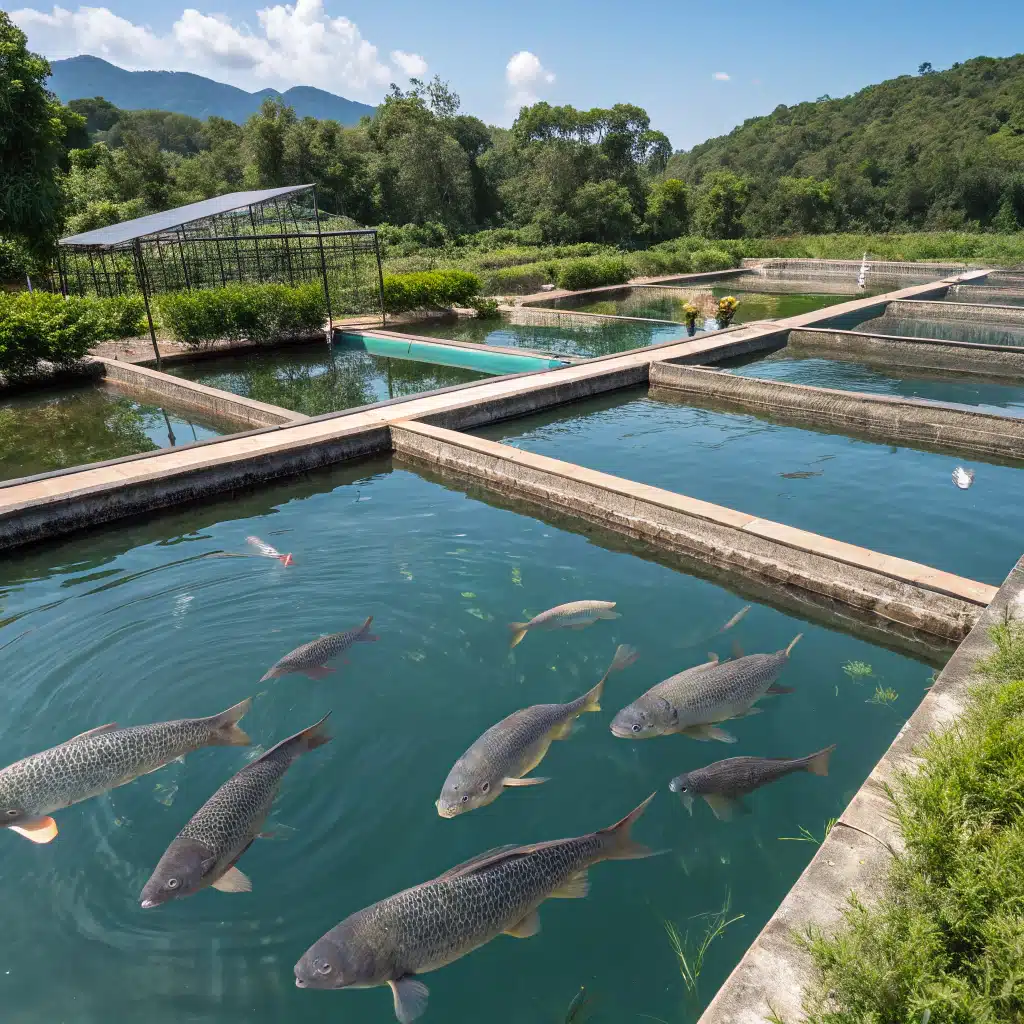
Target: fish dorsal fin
[109, 727]
[481, 860]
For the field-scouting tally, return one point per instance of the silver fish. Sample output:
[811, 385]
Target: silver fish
[268, 551]
[207, 848]
[438, 922]
[515, 746]
[724, 783]
[963, 478]
[309, 659]
[736, 619]
[101, 759]
[693, 701]
[575, 615]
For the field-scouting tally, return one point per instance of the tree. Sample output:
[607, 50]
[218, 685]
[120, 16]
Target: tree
[602, 212]
[32, 130]
[100, 115]
[668, 210]
[721, 201]
[925, 69]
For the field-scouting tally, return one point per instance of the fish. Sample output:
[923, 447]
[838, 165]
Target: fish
[438, 922]
[578, 1002]
[309, 659]
[802, 474]
[268, 551]
[736, 619]
[206, 851]
[694, 701]
[575, 615]
[101, 759]
[963, 478]
[724, 784]
[506, 752]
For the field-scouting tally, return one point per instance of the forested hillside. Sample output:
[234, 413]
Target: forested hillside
[938, 150]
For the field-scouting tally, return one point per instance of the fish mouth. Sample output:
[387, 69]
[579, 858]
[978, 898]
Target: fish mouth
[445, 812]
[622, 731]
[299, 983]
[148, 904]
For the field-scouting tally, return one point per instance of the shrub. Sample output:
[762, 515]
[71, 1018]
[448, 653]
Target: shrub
[518, 280]
[486, 309]
[658, 262]
[705, 260]
[429, 289]
[259, 313]
[574, 275]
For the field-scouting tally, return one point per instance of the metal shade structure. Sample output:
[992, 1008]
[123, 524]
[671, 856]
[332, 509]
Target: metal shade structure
[264, 236]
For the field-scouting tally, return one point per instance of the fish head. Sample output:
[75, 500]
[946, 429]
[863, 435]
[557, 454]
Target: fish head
[684, 786]
[339, 960]
[637, 721]
[12, 812]
[466, 789]
[180, 872]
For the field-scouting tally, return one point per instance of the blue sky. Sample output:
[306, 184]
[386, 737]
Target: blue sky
[661, 56]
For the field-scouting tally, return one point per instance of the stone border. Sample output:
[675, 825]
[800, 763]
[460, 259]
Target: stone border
[854, 858]
[913, 422]
[901, 591]
[936, 310]
[985, 294]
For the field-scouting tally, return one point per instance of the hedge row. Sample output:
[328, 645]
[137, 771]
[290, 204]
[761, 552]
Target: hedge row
[429, 289]
[44, 326]
[243, 312]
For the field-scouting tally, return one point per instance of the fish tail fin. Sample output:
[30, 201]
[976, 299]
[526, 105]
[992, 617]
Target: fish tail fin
[364, 636]
[624, 656]
[792, 644]
[592, 698]
[620, 842]
[518, 630]
[225, 730]
[305, 741]
[285, 559]
[817, 764]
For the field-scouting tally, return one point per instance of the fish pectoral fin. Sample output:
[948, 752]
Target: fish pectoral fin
[775, 688]
[233, 880]
[579, 625]
[562, 731]
[749, 712]
[410, 998]
[737, 650]
[532, 781]
[318, 671]
[42, 830]
[712, 658]
[575, 888]
[726, 807]
[529, 925]
[109, 727]
[708, 732]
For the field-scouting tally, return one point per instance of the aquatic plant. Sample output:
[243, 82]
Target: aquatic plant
[884, 695]
[691, 958]
[857, 670]
[943, 941]
[807, 836]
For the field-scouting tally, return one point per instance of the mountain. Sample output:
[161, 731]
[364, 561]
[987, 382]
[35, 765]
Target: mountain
[936, 150]
[183, 93]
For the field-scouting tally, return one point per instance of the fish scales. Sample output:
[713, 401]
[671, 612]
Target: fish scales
[739, 775]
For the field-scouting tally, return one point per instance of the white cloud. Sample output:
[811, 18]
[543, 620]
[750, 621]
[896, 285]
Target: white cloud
[294, 44]
[720, 76]
[525, 76]
[412, 65]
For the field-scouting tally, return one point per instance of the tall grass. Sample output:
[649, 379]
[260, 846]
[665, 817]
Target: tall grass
[690, 954]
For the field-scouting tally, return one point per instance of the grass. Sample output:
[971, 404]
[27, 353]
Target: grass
[945, 942]
[691, 957]
[807, 836]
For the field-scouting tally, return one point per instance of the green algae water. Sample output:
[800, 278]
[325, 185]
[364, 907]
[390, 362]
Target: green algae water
[897, 500]
[987, 395]
[46, 430]
[142, 623]
[316, 379]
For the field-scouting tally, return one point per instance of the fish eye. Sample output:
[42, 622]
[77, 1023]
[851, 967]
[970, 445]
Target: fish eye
[682, 789]
[465, 797]
[173, 883]
[324, 968]
[12, 813]
[486, 787]
[636, 728]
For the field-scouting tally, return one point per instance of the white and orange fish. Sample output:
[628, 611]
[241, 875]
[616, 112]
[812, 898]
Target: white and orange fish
[267, 551]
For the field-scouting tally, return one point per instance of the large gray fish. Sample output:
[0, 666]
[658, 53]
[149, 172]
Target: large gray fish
[436, 923]
[310, 659]
[724, 783]
[575, 615]
[693, 701]
[102, 759]
[207, 848]
[515, 746]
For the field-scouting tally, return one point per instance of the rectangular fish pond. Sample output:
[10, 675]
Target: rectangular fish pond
[315, 379]
[42, 431]
[976, 331]
[988, 395]
[900, 501]
[147, 622]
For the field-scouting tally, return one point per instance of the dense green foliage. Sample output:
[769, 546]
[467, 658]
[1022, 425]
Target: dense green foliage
[937, 151]
[429, 289]
[43, 326]
[593, 272]
[948, 935]
[258, 313]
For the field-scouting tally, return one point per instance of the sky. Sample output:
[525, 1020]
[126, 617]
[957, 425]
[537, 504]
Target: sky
[698, 69]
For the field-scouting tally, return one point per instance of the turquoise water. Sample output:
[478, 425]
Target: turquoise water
[947, 330]
[987, 395]
[317, 379]
[479, 357]
[134, 624]
[602, 339]
[896, 500]
[46, 430]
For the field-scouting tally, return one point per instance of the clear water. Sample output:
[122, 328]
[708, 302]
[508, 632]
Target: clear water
[133, 624]
[946, 330]
[47, 430]
[602, 339]
[317, 379]
[987, 395]
[896, 500]
[986, 294]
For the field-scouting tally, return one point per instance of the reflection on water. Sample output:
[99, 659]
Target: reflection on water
[170, 631]
[897, 500]
[318, 379]
[43, 431]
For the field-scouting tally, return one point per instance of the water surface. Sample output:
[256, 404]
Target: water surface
[976, 331]
[46, 430]
[897, 500]
[138, 623]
